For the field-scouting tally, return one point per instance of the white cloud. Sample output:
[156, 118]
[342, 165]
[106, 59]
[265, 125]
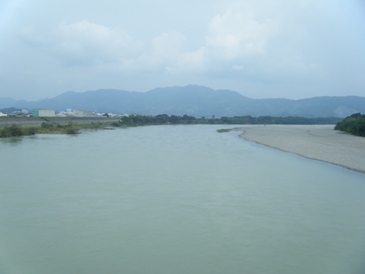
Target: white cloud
[259, 40]
[165, 50]
[236, 33]
[168, 45]
[86, 43]
[266, 45]
[232, 36]
[31, 37]
[194, 62]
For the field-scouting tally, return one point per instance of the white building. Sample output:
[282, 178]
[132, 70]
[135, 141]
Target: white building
[82, 113]
[3, 114]
[44, 113]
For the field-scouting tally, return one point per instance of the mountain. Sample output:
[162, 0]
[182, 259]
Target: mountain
[6, 102]
[196, 101]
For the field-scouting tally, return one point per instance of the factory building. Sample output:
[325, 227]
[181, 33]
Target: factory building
[44, 113]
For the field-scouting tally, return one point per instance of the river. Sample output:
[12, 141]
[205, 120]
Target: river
[174, 199]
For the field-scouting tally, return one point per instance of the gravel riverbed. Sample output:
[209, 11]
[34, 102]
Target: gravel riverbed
[319, 142]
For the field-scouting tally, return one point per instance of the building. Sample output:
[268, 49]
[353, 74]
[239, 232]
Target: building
[3, 114]
[83, 113]
[44, 113]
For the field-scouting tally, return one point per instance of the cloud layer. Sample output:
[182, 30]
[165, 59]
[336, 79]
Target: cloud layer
[263, 49]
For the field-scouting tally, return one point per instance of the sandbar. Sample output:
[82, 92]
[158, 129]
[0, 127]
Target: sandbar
[319, 142]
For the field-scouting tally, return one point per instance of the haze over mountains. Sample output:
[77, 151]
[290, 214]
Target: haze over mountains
[193, 100]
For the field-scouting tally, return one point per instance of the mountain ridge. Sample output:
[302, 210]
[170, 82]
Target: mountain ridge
[194, 100]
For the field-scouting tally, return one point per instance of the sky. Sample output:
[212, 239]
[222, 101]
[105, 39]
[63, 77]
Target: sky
[260, 48]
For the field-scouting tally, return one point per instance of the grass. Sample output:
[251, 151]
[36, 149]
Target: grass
[12, 131]
[50, 128]
[222, 130]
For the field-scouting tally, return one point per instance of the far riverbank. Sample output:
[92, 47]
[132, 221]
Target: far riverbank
[37, 121]
[319, 142]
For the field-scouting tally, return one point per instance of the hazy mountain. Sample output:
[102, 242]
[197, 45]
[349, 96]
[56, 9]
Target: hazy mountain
[196, 101]
[6, 102]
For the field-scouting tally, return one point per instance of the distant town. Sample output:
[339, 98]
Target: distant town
[13, 112]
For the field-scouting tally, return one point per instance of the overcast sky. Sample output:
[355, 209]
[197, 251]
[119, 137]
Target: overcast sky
[260, 48]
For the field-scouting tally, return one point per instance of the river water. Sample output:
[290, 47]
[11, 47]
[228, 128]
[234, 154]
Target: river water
[174, 199]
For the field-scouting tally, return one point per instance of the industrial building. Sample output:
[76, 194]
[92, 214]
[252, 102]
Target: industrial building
[44, 113]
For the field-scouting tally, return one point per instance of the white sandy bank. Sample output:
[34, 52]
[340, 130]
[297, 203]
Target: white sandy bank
[316, 142]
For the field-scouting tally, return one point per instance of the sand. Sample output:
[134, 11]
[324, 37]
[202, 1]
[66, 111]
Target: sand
[315, 142]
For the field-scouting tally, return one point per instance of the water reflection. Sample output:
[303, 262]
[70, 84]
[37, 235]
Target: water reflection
[11, 140]
[180, 199]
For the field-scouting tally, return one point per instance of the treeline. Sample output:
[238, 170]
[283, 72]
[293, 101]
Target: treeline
[163, 119]
[46, 128]
[138, 120]
[15, 130]
[354, 124]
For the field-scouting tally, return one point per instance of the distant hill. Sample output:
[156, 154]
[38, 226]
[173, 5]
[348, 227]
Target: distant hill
[7, 102]
[196, 101]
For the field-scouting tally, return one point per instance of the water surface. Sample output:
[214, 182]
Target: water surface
[174, 199]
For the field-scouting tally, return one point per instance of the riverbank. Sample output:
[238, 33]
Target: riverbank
[14, 127]
[320, 142]
[37, 121]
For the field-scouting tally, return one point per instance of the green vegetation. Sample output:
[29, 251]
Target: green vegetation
[11, 131]
[48, 127]
[222, 130]
[354, 124]
[139, 120]
[72, 130]
[15, 130]
[116, 124]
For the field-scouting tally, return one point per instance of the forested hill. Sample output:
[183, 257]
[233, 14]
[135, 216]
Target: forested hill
[196, 101]
[354, 124]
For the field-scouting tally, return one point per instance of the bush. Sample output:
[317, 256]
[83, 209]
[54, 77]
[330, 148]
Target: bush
[116, 124]
[46, 125]
[11, 131]
[72, 130]
[354, 124]
[223, 130]
[30, 131]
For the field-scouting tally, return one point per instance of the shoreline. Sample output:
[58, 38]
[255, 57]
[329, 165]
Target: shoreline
[317, 142]
[52, 125]
[37, 121]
